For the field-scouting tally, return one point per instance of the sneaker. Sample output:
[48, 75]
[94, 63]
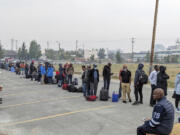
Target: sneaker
[177, 110]
[135, 103]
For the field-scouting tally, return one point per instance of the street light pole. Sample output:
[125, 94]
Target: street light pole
[154, 35]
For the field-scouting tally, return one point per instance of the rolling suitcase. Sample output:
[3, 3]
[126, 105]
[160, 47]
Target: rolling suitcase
[104, 95]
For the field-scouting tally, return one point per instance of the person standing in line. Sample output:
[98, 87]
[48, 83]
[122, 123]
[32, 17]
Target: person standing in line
[94, 80]
[50, 71]
[39, 73]
[126, 83]
[43, 73]
[162, 78]
[22, 68]
[87, 79]
[107, 76]
[153, 82]
[84, 87]
[162, 120]
[177, 92]
[32, 70]
[26, 70]
[138, 86]
[70, 72]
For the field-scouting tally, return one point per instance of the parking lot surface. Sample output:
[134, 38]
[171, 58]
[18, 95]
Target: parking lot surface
[32, 109]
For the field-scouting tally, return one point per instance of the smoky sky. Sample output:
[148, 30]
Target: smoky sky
[94, 23]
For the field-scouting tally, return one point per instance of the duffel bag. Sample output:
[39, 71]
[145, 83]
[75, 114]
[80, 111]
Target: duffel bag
[65, 86]
[91, 98]
[72, 88]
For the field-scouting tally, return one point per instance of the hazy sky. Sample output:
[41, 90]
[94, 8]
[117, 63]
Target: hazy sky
[95, 23]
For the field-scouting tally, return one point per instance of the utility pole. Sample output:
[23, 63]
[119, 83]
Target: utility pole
[154, 35]
[133, 41]
[47, 45]
[76, 46]
[16, 45]
[83, 50]
[12, 44]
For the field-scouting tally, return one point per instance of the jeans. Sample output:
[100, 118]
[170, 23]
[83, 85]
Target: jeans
[84, 87]
[106, 84]
[142, 130]
[138, 89]
[93, 87]
[152, 101]
[60, 82]
[50, 80]
[69, 79]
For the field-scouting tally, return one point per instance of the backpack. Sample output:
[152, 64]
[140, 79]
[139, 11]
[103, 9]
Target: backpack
[75, 82]
[104, 95]
[91, 98]
[80, 90]
[72, 88]
[143, 79]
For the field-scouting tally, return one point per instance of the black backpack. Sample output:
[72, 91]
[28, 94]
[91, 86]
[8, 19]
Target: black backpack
[72, 88]
[75, 82]
[143, 79]
[104, 94]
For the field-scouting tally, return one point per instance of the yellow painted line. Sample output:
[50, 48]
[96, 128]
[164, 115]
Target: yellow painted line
[58, 115]
[38, 101]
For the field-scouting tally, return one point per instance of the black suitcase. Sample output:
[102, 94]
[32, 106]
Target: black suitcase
[104, 95]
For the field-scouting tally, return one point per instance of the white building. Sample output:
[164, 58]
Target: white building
[88, 53]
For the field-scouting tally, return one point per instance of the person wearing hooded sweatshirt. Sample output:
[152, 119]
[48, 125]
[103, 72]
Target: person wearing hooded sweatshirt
[94, 80]
[43, 73]
[177, 92]
[162, 78]
[107, 76]
[61, 69]
[137, 85]
[50, 71]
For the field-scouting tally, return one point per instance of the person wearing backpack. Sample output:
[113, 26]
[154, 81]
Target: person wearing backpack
[153, 82]
[94, 80]
[177, 92]
[50, 71]
[162, 78]
[138, 85]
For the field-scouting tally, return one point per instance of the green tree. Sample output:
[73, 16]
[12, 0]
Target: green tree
[22, 52]
[118, 57]
[147, 57]
[156, 58]
[34, 50]
[92, 58]
[101, 53]
[111, 56]
[1, 51]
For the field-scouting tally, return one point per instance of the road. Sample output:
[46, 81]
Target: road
[32, 109]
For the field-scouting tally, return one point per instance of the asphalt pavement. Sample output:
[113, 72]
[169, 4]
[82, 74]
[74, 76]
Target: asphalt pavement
[32, 109]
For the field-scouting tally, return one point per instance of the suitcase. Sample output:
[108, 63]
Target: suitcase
[115, 97]
[91, 98]
[65, 86]
[104, 95]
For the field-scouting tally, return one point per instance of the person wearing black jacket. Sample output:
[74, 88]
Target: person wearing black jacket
[137, 85]
[94, 80]
[107, 76]
[162, 78]
[32, 70]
